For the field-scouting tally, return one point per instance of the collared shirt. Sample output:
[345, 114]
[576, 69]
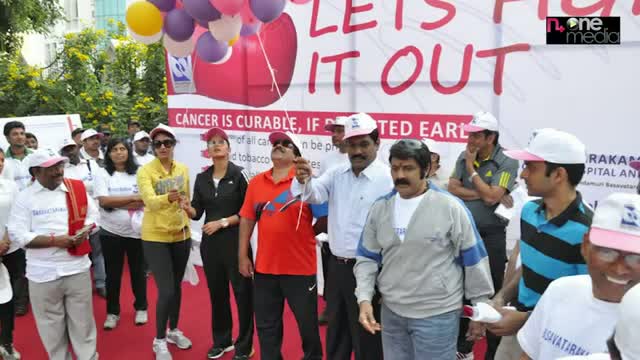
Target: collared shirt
[40, 211]
[497, 170]
[85, 155]
[19, 168]
[350, 198]
[335, 158]
[84, 171]
[550, 249]
[144, 159]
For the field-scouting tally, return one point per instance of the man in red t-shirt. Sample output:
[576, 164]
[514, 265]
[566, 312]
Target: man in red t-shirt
[285, 265]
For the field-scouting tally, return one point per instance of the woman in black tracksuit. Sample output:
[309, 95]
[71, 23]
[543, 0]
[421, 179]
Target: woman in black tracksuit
[219, 193]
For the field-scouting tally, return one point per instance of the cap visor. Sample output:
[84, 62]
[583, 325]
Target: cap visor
[615, 240]
[54, 161]
[329, 127]
[278, 135]
[522, 155]
[216, 131]
[472, 128]
[158, 131]
[635, 164]
[355, 133]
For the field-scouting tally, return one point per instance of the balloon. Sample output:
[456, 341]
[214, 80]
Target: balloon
[228, 7]
[247, 15]
[144, 18]
[147, 40]
[164, 5]
[179, 25]
[267, 10]
[177, 48]
[234, 40]
[226, 28]
[248, 30]
[201, 10]
[300, 1]
[225, 58]
[209, 49]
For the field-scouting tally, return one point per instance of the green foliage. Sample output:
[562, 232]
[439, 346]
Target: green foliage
[21, 16]
[106, 77]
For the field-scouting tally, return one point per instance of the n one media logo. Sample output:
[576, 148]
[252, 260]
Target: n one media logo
[587, 30]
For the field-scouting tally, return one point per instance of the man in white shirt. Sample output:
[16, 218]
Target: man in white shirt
[141, 142]
[577, 314]
[350, 191]
[86, 171]
[57, 269]
[91, 146]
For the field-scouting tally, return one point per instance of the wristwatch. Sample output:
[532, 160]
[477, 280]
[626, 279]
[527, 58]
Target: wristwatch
[224, 222]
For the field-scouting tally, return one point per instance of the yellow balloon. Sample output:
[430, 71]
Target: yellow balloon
[144, 18]
[234, 40]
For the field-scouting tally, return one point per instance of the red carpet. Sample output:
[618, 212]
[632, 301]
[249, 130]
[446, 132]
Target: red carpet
[134, 342]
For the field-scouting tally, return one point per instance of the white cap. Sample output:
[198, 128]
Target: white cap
[5, 285]
[89, 133]
[552, 145]
[45, 158]
[141, 135]
[358, 125]
[340, 121]
[626, 334]
[279, 135]
[65, 143]
[616, 223]
[162, 128]
[482, 121]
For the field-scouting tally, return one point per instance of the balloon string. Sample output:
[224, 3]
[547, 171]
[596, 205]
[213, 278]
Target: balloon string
[286, 113]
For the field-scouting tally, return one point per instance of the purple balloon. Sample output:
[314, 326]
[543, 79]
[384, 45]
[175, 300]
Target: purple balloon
[267, 10]
[201, 10]
[179, 25]
[209, 49]
[248, 30]
[164, 5]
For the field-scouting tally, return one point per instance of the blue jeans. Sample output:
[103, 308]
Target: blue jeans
[99, 273]
[432, 338]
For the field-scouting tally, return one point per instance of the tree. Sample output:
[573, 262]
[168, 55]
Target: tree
[104, 76]
[22, 16]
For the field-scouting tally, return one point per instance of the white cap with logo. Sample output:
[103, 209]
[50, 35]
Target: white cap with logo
[66, 142]
[162, 128]
[141, 135]
[626, 333]
[89, 133]
[45, 158]
[616, 223]
[358, 125]
[482, 121]
[553, 146]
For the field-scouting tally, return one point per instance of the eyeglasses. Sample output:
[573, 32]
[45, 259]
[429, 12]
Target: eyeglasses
[214, 142]
[167, 143]
[284, 143]
[611, 255]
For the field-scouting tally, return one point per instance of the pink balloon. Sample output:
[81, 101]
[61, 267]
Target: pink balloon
[247, 15]
[300, 1]
[228, 7]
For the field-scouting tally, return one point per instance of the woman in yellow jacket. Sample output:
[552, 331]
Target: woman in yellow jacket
[164, 186]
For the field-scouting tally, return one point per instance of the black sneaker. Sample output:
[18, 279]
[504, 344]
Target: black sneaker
[244, 357]
[217, 352]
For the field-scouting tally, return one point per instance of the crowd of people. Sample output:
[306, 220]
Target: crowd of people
[415, 262]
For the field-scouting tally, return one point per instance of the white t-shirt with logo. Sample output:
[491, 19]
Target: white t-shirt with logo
[568, 321]
[402, 212]
[8, 193]
[116, 221]
[143, 160]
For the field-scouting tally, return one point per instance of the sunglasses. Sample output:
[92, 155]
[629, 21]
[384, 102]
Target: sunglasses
[284, 143]
[610, 256]
[167, 143]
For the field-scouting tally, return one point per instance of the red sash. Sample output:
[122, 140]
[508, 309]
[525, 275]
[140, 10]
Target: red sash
[77, 205]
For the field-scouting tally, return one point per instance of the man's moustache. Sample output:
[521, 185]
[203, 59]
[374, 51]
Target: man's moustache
[401, 182]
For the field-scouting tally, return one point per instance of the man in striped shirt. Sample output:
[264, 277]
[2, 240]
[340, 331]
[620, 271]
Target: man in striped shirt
[552, 229]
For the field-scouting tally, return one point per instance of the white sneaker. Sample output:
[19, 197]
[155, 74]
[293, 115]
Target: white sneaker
[8, 352]
[111, 322]
[141, 317]
[176, 337]
[161, 350]
[463, 356]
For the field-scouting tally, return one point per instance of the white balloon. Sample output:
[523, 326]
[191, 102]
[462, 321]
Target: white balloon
[226, 57]
[178, 48]
[226, 28]
[147, 40]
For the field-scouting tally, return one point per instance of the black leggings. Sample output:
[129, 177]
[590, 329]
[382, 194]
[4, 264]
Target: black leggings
[167, 262]
[15, 266]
